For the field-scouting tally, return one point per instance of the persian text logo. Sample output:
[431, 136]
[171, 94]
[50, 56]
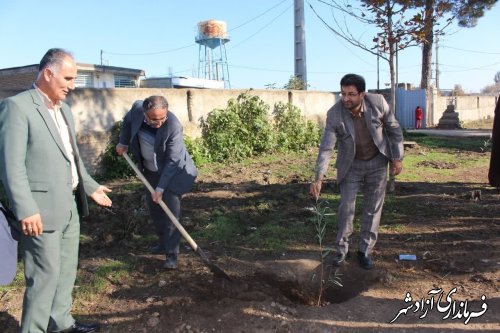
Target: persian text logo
[452, 309]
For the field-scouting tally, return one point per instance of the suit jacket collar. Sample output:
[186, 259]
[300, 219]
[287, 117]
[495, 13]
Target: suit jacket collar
[349, 123]
[49, 122]
[347, 116]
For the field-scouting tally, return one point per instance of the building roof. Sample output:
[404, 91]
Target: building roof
[80, 67]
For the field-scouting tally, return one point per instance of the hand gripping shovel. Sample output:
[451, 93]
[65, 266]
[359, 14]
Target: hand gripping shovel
[216, 270]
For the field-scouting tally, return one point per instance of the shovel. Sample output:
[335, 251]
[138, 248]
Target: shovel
[216, 270]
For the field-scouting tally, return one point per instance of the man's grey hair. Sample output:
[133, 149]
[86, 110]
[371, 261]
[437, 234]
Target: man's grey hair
[155, 102]
[53, 59]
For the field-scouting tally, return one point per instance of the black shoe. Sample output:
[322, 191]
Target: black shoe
[158, 249]
[81, 328]
[171, 261]
[339, 258]
[364, 260]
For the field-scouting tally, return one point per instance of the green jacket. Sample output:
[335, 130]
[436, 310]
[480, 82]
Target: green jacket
[34, 168]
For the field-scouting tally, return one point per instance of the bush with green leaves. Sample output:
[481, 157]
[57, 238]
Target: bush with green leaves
[293, 133]
[241, 130]
[197, 150]
[112, 165]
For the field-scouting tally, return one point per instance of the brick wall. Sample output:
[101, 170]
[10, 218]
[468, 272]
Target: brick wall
[17, 79]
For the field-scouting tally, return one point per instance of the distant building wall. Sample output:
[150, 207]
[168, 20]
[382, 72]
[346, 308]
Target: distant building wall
[89, 76]
[103, 79]
[18, 78]
[156, 82]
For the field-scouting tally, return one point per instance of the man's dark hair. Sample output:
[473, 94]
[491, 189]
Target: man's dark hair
[52, 57]
[155, 102]
[354, 80]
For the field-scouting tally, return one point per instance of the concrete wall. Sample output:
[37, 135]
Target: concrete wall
[469, 108]
[97, 110]
[476, 107]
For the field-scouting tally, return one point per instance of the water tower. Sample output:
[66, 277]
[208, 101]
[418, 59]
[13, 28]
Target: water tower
[212, 58]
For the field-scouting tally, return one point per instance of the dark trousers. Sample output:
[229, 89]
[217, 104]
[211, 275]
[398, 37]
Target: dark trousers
[168, 235]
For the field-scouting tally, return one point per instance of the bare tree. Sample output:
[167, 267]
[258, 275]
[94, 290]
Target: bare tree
[458, 90]
[465, 12]
[398, 28]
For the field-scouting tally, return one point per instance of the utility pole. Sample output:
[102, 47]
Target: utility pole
[378, 71]
[437, 63]
[300, 42]
[397, 66]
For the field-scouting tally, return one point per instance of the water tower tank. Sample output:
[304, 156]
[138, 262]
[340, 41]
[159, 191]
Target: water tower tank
[212, 33]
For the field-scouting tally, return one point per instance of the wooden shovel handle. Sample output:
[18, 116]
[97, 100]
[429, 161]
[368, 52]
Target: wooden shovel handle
[162, 204]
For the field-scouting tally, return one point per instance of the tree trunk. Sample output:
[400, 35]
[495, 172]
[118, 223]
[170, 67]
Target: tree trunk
[427, 45]
[494, 171]
[425, 81]
[392, 51]
[391, 184]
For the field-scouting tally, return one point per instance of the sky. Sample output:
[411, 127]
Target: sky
[158, 36]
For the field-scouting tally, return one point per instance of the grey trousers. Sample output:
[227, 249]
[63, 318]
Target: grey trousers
[169, 236]
[370, 177]
[50, 265]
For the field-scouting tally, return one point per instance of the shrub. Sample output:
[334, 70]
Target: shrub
[112, 165]
[293, 132]
[197, 150]
[241, 130]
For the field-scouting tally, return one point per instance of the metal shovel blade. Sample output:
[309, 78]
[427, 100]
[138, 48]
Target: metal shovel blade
[214, 268]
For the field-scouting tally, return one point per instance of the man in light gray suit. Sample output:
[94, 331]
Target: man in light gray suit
[46, 184]
[155, 137]
[368, 136]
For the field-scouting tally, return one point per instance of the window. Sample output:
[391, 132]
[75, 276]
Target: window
[84, 80]
[124, 81]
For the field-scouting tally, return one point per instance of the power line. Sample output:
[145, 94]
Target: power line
[256, 17]
[471, 51]
[194, 44]
[290, 71]
[265, 26]
[336, 34]
[150, 53]
[262, 69]
[467, 69]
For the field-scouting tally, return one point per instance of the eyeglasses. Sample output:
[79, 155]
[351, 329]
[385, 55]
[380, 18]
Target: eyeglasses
[150, 121]
[350, 95]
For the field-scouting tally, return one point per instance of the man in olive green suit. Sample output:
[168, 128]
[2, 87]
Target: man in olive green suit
[46, 184]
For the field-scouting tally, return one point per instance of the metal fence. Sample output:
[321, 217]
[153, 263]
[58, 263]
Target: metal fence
[406, 103]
